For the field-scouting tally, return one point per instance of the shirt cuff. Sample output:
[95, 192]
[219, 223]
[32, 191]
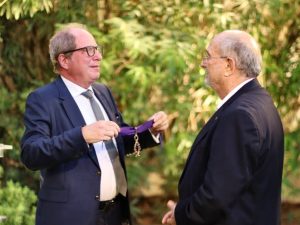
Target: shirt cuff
[156, 138]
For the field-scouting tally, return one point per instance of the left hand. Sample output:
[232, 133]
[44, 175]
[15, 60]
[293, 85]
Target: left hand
[161, 122]
[169, 217]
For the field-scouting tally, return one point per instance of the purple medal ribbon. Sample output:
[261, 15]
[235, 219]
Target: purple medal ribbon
[127, 131]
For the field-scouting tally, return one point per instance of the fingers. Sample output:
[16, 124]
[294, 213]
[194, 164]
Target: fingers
[161, 122]
[110, 128]
[167, 217]
[106, 129]
[171, 204]
[100, 131]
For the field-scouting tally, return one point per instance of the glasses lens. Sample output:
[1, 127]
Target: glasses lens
[91, 50]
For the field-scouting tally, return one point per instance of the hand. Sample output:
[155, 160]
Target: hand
[161, 122]
[101, 130]
[169, 217]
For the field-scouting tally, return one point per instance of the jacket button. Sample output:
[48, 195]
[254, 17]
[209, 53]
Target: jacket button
[97, 197]
[98, 173]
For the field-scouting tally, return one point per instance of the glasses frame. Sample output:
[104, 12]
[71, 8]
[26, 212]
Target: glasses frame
[88, 50]
[207, 58]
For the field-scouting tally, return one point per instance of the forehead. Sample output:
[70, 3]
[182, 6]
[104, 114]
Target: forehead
[83, 38]
[213, 47]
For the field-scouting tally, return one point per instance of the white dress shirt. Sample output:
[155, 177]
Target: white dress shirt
[108, 182]
[232, 92]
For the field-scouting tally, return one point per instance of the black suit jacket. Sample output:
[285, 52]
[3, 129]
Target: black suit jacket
[233, 173]
[53, 143]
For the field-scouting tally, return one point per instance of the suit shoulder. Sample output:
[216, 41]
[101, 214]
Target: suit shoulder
[253, 101]
[100, 86]
[257, 106]
[46, 91]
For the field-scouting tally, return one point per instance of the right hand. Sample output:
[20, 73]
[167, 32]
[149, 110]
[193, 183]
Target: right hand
[101, 130]
[169, 217]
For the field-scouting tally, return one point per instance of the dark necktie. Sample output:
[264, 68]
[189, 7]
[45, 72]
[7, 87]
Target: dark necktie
[110, 147]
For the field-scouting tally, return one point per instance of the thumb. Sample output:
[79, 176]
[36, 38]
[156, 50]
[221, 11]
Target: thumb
[171, 204]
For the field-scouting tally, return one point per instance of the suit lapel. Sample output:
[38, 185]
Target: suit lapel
[199, 137]
[210, 124]
[69, 105]
[74, 114]
[205, 129]
[105, 103]
[250, 85]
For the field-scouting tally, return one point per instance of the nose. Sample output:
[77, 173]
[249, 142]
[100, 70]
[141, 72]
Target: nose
[97, 56]
[203, 64]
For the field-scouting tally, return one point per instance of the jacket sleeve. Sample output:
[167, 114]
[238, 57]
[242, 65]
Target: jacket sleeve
[39, 148]
[233, 159]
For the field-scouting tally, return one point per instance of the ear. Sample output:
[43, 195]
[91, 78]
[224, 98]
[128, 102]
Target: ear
[63, 61]
[229, 67]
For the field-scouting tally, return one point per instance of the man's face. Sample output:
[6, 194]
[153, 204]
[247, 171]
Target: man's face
[84, 69]
[214, 65]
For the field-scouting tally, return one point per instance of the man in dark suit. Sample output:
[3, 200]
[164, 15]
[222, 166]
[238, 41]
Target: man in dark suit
[80, 157]
[233, 172]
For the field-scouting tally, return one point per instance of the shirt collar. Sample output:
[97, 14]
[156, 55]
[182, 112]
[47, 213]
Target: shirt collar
[73, 88]
[232, 92]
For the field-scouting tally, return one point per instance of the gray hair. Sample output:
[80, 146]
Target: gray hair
[247, 55]
[63, 40]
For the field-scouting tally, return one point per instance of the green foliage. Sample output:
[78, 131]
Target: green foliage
[152, 56]
[291, 171]
[14, 9]
[17, 203]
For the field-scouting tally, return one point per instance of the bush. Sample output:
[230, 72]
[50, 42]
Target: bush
[17, 203]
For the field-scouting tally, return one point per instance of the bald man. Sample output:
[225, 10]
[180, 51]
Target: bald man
[233, 172]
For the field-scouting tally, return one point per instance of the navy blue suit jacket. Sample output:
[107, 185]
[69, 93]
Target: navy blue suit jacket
[233, 173]
[53, 143]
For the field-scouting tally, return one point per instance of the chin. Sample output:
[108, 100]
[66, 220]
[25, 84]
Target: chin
[207, 81]
[95, 76]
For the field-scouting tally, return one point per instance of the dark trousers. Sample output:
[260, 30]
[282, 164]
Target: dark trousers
[112, 214]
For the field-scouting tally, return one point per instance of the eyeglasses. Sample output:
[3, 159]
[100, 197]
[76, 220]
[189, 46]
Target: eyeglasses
[90, 50]
[207, 57]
